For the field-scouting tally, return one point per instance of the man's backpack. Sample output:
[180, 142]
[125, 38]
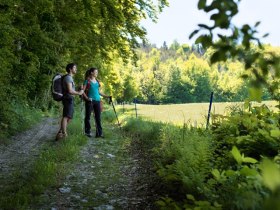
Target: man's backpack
[57, 87]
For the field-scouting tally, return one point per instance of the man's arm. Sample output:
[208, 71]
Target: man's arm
[73, 92]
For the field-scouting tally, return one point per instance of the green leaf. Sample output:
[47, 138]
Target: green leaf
[216, 57]
[205, 40]
[257, 24]
[275, 133]
[255, 94]
[270, 174]
[249, 160]
[190, 197]
[267, 34]
[204, 26]
[216, 174]
[230, 173]
[221, 20]
[171, 177]
[263, 132]
[161, 203]
[201, 4]
[193, 33]
[246, 171]
[236, 154]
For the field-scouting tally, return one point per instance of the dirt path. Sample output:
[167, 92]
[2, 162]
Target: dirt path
[108, 175]
[24, 147]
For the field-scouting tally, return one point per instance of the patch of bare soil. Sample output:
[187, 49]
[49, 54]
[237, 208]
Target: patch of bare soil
[24, 147]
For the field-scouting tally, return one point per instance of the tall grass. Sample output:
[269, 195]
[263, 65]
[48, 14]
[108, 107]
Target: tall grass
[146, 133]
[192, 113]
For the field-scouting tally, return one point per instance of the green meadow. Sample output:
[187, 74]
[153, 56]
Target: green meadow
[191, 113]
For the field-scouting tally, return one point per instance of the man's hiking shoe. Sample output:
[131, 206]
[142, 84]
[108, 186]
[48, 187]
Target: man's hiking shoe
[88, 134]
[60, 136]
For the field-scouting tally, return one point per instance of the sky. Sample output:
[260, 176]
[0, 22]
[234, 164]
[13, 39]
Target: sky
[180, 19]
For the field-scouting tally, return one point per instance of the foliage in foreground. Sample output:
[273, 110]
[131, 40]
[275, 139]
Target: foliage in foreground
[233, 166]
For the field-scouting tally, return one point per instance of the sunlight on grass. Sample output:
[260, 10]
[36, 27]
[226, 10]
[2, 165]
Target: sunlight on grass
[193, 113]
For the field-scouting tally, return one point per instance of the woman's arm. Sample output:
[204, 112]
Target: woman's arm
[102, 94]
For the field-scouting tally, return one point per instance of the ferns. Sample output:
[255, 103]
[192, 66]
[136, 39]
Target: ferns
[189, 160]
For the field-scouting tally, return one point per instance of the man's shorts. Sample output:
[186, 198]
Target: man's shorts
[68, 107]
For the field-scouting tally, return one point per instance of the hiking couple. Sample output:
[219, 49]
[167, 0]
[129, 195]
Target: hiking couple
[91, 93]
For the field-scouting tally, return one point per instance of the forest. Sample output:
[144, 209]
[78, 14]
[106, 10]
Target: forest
[182, 74]
[236, 160]
[40, 38]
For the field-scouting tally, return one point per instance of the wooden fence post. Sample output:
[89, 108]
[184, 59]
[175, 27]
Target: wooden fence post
[135, 100]
[209, 110]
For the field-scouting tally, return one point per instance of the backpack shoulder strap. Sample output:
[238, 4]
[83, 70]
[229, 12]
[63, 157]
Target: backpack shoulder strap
[62, 80]
[64, 75]
[87, 87]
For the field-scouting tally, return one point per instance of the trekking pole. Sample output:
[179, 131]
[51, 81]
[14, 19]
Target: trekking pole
[94, 117]
[135, 101]
[82, 115]
[82, 111]
[111, 102]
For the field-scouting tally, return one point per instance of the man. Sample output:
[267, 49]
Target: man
[68, 99]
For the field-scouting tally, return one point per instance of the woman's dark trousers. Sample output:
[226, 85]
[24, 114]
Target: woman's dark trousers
[94, 107]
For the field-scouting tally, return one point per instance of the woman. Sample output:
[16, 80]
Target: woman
[92, 97]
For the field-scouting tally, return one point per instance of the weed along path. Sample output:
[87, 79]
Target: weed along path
[109, 173]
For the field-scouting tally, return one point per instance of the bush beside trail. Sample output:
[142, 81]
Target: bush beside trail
[234, 165]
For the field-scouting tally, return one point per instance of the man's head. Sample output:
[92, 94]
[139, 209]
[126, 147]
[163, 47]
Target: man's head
[71, 66]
